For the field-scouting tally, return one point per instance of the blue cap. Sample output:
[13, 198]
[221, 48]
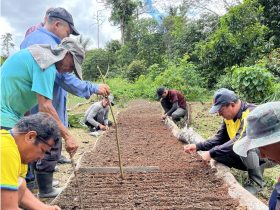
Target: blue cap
[222, 97]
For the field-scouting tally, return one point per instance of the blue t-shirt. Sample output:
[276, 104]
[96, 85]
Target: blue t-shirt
[21, 80]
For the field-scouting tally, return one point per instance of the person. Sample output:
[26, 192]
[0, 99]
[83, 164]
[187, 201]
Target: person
[27, 141]
[41, 24]
[173, 102]
[234, 111]
[96, 116]
[59, 24]
[263, 132]
[27, 79]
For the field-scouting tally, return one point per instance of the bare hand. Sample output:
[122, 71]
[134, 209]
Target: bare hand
[48, 207]
[71, 146]
[206, 156]
[190, 148]
[103, 127]
[103, 90]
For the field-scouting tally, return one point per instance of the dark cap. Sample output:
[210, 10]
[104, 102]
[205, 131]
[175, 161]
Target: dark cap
[160, 91]
[63, 14]
[222, 97]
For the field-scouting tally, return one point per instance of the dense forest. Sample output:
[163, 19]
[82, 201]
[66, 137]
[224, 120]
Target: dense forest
[192, 53]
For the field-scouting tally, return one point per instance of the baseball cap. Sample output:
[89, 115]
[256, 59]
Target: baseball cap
[63, 14]
[263, 128]
[160, 91]
[77, 52]
[222, 97]
[111, 99]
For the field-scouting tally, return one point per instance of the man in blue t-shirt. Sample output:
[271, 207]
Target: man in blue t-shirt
[58, 25]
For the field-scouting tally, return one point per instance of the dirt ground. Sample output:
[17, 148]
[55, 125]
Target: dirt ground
[183, 181]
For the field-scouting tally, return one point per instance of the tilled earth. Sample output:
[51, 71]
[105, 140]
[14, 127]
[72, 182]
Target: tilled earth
[183, 182]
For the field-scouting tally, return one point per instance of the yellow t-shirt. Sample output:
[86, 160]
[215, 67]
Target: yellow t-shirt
[11, 167]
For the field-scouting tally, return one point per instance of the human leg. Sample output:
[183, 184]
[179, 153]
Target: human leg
[178, 113]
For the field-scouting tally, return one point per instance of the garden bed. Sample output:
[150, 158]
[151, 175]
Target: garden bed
[183, 182]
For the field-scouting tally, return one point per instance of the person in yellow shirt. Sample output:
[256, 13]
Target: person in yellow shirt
[28, 141]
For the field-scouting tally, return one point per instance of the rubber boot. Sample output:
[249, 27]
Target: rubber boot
[45, 181]
[255, 182]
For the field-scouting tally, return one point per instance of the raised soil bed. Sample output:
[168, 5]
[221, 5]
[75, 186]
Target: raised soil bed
[183, 181]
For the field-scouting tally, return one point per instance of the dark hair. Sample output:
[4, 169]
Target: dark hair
[42, 123]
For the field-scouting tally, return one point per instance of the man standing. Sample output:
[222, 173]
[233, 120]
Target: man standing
[234, 111]
[27, 79]
[96, 117]
[60, 24]
[263, 132]
[173, 102]
[31, 137]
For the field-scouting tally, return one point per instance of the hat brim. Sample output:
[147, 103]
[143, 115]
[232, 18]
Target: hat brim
[74, 30]
[242, 146]
[215, 108]
[78, 68]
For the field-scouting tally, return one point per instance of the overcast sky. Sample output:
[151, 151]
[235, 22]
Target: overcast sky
[18, 15]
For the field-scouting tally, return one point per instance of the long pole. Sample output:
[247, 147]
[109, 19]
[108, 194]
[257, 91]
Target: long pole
[114, 119]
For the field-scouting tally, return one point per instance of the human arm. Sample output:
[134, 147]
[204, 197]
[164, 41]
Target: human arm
[219, 138]
[9, 199]
[77, 87]
[227, 146]
[173, 108]
[45, 105]
[91, 113]
[29, 201]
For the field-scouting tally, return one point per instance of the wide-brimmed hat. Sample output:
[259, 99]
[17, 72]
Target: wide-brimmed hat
[263, 128]
[222, 97]
[63, 14]
[45, 55]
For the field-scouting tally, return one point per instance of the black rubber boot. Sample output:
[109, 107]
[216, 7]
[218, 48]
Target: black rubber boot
[255, 182]
[44, 182]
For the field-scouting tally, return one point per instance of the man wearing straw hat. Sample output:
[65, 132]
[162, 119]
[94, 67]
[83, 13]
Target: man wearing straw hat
[263, 132]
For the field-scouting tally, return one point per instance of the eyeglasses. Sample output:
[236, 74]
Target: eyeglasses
[39, 138]
[43, 141]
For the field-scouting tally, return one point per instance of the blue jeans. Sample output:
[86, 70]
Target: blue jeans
[274, 201]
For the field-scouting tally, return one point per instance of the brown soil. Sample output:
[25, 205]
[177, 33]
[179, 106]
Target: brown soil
[183, 182]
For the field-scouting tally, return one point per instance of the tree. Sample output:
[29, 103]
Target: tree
[122, 13]
[239, 40]
[7, 44]
[272, 20]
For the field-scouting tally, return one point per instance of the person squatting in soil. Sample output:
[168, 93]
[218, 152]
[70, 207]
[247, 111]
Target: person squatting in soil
[173, 102]
[263, 132]
[58, 24]
[30, 138]
[96, 116]
[28, 79]
[235, 112]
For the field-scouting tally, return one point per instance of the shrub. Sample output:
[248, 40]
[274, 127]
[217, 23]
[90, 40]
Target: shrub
[135, 69]
[253, 83]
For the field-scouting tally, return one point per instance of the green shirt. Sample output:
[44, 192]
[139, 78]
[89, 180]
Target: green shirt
[21, 80]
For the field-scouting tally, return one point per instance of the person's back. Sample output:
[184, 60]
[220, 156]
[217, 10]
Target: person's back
[20, 78]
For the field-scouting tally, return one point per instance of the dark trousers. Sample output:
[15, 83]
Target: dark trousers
[93, 128]
[177, 114]
[231, 159]
[274, 201]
